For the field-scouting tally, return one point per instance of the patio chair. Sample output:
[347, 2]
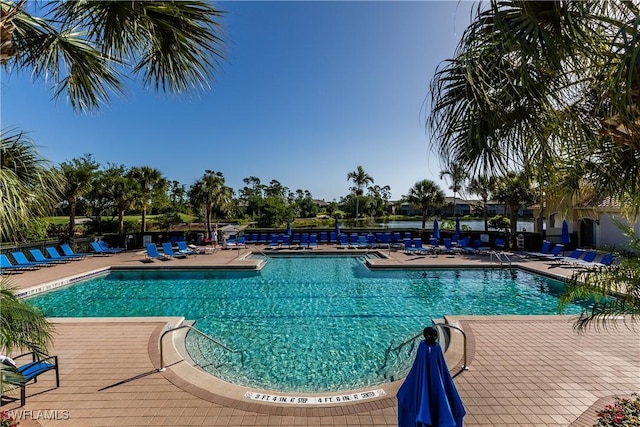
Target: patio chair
[555, 252]
[589, 260]
[274, 241]
[152, 253]
[106, 247]
[343, 241]
[54, 254]
[30, 372]
[168, 250]
[97, 249]
[7, 267]
[286, 241]
[38, 256]
[313, 241]
[545, 249]
[323, 237]
[184, 249]
[66, 249]
[499, 243]
[304, 240]
[21, 260]
[569, 259]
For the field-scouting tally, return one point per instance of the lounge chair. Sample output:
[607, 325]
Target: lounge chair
[304, 240]
[555, 252]
[333, 237]
[22, 260]
[353, 241]
[363, 242]
[152, 253]
[262, 238]
[286, 241]
[54, 254]
[313, 241]
[274, 241]
[168, 250]
[106, 247]
[569, 259]
[417, 245]
[184, 249]
[545, 249]
[38, 256]
[97, 249]
[7, 267]
[589, 260]
[66, 249]
[30, 372]
[343, 241]
[499, 243]
[448, 246]
[323, 237]
[295, 239]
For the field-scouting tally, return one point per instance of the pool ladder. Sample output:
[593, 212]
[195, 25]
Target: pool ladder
[501, 257]
[413, 339]
[192, 328]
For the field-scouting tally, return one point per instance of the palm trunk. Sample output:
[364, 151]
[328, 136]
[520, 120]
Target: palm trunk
[357, 208]
[72, 218]
[144, 218]
[424, 218]
[121, 220]
[486, 216]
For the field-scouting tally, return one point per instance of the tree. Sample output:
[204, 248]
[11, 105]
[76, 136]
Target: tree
[514, 190]
[614, 289]
[361, 179]
[425, 194]
[22, 326]
[458, 174]
[544, 86]
[120, 188]
[210, 194]
[150, 184]
[482, 186]
[78, 174]
[29, 186]
[83, 48]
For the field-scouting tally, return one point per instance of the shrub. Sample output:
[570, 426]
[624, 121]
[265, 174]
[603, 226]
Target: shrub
[623, 413]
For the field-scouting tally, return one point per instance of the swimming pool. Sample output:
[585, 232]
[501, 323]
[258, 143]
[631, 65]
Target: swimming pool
[306, 324]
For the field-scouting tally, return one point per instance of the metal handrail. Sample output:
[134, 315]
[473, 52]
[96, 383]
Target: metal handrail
[464, 335]
[191, 328]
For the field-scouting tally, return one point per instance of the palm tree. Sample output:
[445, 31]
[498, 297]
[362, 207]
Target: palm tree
[425, 194]
[82, 47]
[458, 174]
[22, 326]
[361, 179]
[150, 184]
[514, 190]
[615, 289]
[29, 186]
[483, 186]
[539, 80]
[211, 194]
[78, 178]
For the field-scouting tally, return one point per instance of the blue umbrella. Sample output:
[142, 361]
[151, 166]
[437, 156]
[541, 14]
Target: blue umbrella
[337, 225]
[428, 396]
[565, 239]
[457, 230]
[436, 231]
[288, 232]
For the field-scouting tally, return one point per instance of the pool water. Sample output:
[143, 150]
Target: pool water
[306, 324]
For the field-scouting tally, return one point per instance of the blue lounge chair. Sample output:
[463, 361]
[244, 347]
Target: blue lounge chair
[555, 252]
[152, 253]
[66, 249]
[344, 241]
[363, 243]
[333, 237]
[408, 246]
[313, 241]
[323, 237]
[295, 239]
[262, 238]
[54, 254]
[274, 241]
[22, 260]
[499, 244]
[97, 249]
[184, 249]
[569, 259]
[38, 256]
[589, 260]
[353, 240]
[241, 241]
[417, 245]
[544, 250]
[106, 247]
[168, 250]
[286, 241]
[7, 267]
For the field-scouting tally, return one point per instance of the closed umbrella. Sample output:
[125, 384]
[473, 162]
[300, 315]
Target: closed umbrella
[457, 230]
[565, 239]
[436, 230]
[288, 232]
[337, 225]
[428, 396]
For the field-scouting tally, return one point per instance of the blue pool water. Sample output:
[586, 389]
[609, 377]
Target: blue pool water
[306, 324]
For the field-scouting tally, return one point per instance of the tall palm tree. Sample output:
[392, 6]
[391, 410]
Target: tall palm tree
[361, 179]
[538, 80]
[78, 178]
[425, 194]
[211, 194]
[29, 186]
[82, 47]
[458, 175]
[150, 184]
[483, 186]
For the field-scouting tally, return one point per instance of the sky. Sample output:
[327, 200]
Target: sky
[309, 91]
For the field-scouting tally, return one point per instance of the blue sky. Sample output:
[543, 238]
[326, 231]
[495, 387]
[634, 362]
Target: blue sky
[310, 90]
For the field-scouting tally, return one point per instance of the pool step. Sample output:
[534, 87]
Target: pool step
[444, 334]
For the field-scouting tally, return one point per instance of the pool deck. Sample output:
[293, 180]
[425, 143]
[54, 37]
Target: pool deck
[523, 370]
